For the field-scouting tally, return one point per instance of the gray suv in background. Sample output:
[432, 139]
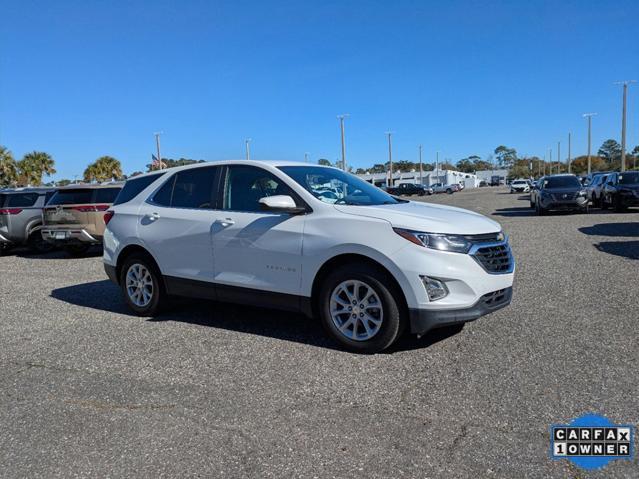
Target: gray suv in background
[21, 218]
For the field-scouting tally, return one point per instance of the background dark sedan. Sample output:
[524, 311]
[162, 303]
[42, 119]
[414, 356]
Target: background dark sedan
[558, 192]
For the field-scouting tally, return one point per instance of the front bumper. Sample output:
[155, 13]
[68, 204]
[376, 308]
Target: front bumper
[580, 203]
[423, 320]
[58, 235]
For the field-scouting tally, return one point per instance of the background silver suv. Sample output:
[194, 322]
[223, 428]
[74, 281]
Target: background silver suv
[21, 217]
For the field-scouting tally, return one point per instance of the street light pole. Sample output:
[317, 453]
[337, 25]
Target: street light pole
[390, 157]
[306, 157]
[437, 167]
[549, 161]
[625, 84]
[589, 116]
[157, 146]
[248, 148]
[559, 157]
[421, 170]
[569, 161]
[341, 125]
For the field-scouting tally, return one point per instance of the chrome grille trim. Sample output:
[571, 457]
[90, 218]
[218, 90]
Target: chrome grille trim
[495, 258]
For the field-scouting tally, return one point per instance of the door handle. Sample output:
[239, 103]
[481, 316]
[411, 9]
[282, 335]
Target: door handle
[153, 216]
[225, 222]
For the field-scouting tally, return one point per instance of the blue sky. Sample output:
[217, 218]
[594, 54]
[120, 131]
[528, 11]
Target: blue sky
[81, 79]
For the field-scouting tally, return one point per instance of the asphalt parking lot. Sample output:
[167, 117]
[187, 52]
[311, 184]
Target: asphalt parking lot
[207, 390]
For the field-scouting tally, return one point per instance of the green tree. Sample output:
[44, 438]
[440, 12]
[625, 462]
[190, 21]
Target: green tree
[8, 168]
[33, 166]
[63, 182]
[466, 165]
[610, 150]
[506, 157]
[105, 168]
[324, 162]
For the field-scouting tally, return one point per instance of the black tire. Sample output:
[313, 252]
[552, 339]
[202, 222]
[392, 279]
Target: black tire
[38, 244]
[540, 210]
[77, 250]
[532, 204]
[595, 203]
[394, 317]
[618, 205]
[604, 203]
[449, 191]
[158, 295]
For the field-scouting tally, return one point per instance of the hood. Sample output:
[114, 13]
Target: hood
[427, 217]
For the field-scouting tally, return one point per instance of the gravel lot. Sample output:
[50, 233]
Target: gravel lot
[210, 389]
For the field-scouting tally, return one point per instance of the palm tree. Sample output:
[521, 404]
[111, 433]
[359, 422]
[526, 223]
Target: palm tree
[105, 168]
[8, 167]
[35, 164]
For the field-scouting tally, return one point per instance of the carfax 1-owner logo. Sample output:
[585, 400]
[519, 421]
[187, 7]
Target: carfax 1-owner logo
[591, 441]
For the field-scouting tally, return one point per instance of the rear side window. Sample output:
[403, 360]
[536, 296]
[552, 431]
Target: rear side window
[134, 187]
[106, 195]
[192, 188]
[22, 199]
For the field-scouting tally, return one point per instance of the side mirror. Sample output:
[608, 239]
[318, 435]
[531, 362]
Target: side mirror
[281, 204]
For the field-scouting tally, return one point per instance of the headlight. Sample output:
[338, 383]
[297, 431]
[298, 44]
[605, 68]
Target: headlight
[441, 242]
[582, 193]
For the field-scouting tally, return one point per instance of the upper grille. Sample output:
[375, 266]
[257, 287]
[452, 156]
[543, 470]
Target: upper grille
[484, 238]
[563, 196]
[495, 259]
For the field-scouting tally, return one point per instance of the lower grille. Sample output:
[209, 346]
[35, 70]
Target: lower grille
[495, 298]
[494, 259]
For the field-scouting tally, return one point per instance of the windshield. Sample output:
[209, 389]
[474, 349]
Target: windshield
[334, 186]
[519, 182]
[629, 178]
[562, 182]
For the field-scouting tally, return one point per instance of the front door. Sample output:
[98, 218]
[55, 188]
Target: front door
[255, 249]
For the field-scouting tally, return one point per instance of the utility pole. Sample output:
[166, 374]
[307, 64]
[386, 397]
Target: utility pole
[306, 157]
[421, 170]
[569, 165]
[437, 167]
[589, 116]
[341, 125]
[549, 161]
[390, 157]
[157, 146]
[625, 84]
[248, 148]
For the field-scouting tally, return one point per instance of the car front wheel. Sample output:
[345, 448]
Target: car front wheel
[142, 286]
[360, 309]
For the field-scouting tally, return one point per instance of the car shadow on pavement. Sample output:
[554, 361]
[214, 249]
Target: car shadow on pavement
[612, 229]
[287, 326]
[625, 249]
[514, 211]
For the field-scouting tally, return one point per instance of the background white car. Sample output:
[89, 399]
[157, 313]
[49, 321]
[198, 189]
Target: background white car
[520, 186]
[367, 264]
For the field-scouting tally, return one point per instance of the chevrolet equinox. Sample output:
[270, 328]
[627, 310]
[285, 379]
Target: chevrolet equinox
[305, 238]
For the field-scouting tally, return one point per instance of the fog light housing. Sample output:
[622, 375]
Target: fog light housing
[435, 288]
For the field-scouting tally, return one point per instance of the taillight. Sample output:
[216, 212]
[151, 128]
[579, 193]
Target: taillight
[90, 208]
[10, 211]
[107, 216]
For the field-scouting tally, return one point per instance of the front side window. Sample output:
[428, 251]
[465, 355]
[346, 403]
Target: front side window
[244, 186]
[23, 200]
[334, 186]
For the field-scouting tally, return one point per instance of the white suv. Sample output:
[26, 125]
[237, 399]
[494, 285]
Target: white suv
[520, 186]
[305, 238]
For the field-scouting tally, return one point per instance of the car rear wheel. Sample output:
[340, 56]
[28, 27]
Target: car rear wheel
[449, 191]
[38, 244]
[541, 211]
[360, 309]
[142, 285]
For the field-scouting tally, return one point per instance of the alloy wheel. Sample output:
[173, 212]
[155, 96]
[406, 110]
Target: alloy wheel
[356, 310]
[139, 285]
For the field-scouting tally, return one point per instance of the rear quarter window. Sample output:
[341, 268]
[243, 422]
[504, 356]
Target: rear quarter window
[21, 199]
[134, 187]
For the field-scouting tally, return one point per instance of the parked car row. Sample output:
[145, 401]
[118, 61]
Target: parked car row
[69, 217]
[566, 192]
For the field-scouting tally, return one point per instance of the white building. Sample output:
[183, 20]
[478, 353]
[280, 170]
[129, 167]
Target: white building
[428, 178]
[487, 175]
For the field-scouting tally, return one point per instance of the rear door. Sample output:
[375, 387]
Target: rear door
[175, 224]
[253, 248]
